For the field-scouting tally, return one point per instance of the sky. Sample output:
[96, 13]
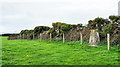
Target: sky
[17, 15]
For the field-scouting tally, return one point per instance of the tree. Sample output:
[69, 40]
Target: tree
[97, 23]
[91, 24]
[113, 18]
[100, 23]
[59, 27]
[40, 29]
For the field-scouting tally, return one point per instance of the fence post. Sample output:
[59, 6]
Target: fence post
[63, 38]
[27, 36]
[108, 41]
[50, 37]
[81, 38]
[40, 36]
[33, 36]
[23, 36]
[20, 36]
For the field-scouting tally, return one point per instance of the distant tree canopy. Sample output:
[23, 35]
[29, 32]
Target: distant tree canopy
[114, 18]
[98, 23]
[60, 28]
[102, 25]
[40, 29]
[14, 34]
[7, 34]
[26, 31]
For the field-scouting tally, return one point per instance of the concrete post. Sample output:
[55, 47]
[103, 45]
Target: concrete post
[94, 38]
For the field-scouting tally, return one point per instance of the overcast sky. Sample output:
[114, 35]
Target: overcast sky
[16, 15]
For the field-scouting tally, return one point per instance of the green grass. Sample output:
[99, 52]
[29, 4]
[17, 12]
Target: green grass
[34, 52]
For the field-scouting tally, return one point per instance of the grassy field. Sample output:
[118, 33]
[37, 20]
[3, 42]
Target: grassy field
[34, 52]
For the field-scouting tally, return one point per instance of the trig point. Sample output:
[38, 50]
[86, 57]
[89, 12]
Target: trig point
[94, 38]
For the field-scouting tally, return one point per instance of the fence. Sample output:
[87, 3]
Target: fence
[72, 35]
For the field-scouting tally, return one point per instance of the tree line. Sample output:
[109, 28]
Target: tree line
[110, 25]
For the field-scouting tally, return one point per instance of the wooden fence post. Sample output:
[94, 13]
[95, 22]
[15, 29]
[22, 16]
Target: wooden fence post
[108, 41]
[23, 36]
[20, 36]
[81, 38]
[40, 36]
[63, 38]
[50, 37]
[27, 36]
[33, 36]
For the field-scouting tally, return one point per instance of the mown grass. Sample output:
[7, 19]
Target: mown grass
[35, 52]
